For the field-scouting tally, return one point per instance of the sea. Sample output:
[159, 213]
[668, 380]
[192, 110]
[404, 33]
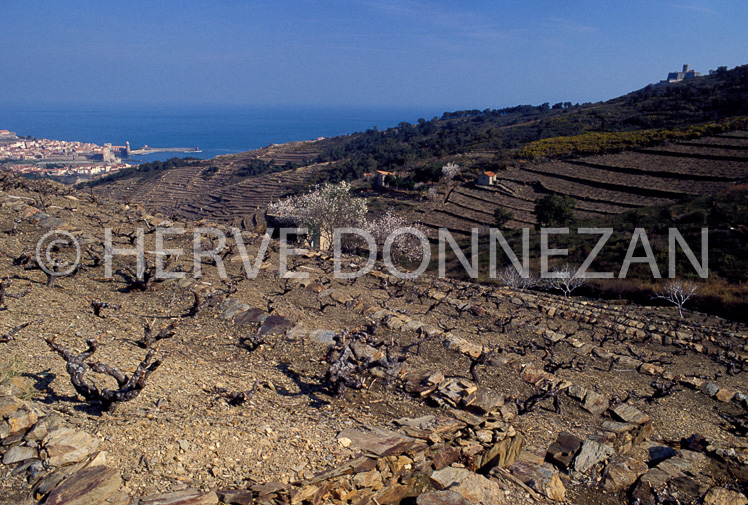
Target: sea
[214, 130]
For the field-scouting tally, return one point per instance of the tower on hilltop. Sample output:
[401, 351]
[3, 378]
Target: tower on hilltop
[686, 74]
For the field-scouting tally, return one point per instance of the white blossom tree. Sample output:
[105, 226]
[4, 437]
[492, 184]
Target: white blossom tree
[323, 210]
[513, 279]
[566, 279]
[450, 171]
[332, 206]
[432, 193]
[678, 292]
[406, 245]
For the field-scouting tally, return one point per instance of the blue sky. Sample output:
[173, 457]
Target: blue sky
[447, 55]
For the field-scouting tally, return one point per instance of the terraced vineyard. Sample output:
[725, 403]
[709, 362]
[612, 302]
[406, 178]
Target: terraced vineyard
[601, 185]
[275, 390]
[215, 189]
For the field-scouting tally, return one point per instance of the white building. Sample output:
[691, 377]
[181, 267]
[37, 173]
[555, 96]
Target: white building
[487, 179]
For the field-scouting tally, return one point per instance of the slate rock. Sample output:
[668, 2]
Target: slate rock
[445, 457]
[305, 494]
[475, 488]
[325, 337]
[444, 497]
[682, 490]
[234, 497]
[622, 472]
[51, 480]
[296, 333]
[577, 392]
[659, 453]
[9, 405]
[37, 432]
[378, 441]
[18, 453]
[64, 446]
[722, 496]
[656, 478]
[393, 493]
[339, 296]
[643, 494]
[602, 353]
[692, 382]
[591, 453]
[423, 382]
[467, 417]
[94, 483]
[233, 309]
[651, 369]
[371, 479]
[251, 316]
[534, 376]
[484, 401]
[422, 427]
[542, 478]
[629, 414]
[595, 403]
[725, 395]
[695, 443]
[185, 497]
[531, 455]
[564, 449]
[710, 388]
[624, 435]
[13, 439]
[459, 344]
[22, 419]
[682, 462]
[502, 453]
[275, 325]
[365, 352]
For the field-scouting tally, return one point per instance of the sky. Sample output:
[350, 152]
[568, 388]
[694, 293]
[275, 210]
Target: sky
[449, 55]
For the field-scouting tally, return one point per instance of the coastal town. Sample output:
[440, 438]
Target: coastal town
[59, 158]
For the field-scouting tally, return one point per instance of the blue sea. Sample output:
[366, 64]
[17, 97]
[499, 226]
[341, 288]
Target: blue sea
[215, 130]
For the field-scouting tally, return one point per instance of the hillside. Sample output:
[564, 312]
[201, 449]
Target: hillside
[219, 188]
[321, 390]
[601, 185]
[676, 137]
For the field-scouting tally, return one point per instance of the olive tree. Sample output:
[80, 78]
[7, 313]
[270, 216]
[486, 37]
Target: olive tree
[555, 210]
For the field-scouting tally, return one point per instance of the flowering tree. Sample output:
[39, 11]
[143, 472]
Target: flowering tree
[432, 193]
[450, 171]
[322, 210]
[566, 279]
[332, 206]
[287, 211]
[513, 279]
[678, 292]
[406, 245]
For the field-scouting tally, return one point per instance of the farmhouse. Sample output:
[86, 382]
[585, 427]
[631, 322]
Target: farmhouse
[487, 179]
[381, 176]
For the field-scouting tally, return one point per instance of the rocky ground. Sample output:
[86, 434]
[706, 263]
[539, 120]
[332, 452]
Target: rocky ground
[323, 390]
